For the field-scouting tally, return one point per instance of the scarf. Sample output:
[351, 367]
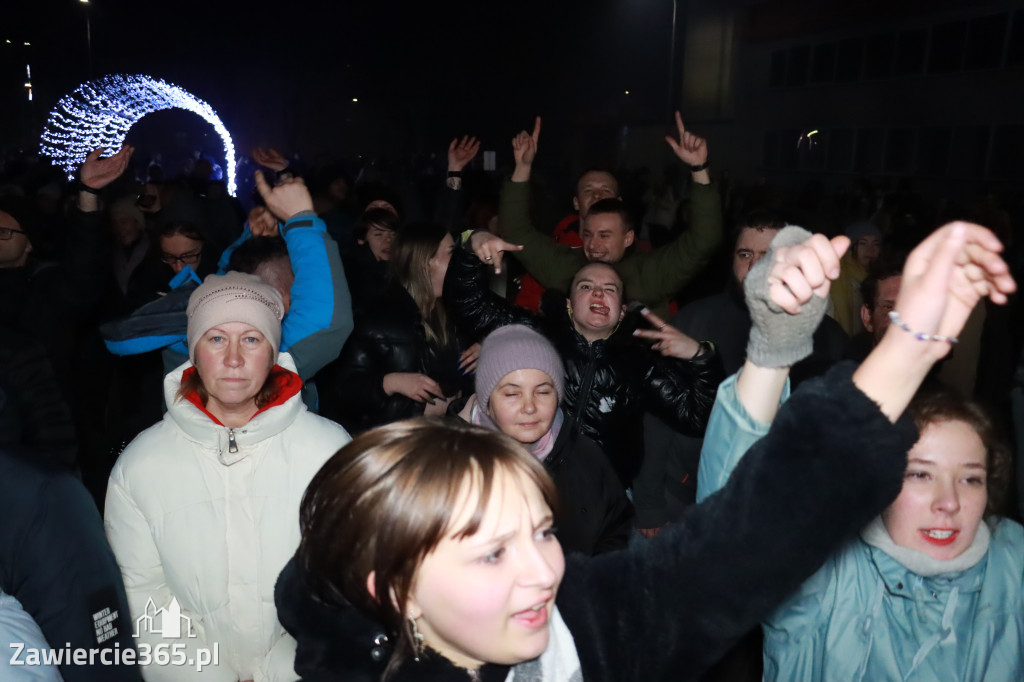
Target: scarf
[876, 535]
[540, 449]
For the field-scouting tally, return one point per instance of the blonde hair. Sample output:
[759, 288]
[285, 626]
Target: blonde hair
[414, 246]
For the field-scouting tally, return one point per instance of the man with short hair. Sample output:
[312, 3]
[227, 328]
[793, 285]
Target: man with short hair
[653, 277]
[668, 480]
[878, 294]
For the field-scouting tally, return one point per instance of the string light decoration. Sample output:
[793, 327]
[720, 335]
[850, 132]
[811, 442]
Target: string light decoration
[100, 113]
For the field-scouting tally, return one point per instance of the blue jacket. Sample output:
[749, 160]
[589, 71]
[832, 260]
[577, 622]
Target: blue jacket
[313, 332]
[863, 615]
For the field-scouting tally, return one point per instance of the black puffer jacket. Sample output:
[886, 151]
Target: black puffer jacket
[388, 338]
[610, 383]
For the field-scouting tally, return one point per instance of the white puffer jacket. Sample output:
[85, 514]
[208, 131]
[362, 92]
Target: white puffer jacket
[189, 519]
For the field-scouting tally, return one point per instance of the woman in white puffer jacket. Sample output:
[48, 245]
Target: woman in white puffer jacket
[202, 508]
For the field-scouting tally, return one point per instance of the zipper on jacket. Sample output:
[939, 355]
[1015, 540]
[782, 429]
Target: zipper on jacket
[584, 395]
[232, 444]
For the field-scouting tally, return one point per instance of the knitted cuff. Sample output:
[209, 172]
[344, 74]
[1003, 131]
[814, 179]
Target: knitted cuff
[777, 338]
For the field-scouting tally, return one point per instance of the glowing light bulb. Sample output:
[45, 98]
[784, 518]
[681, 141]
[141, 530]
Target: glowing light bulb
[100, 113]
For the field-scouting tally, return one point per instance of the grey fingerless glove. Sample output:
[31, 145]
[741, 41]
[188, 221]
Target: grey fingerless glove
[778, 339]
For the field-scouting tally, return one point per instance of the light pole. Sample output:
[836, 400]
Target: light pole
[672, 104]
[88, 36]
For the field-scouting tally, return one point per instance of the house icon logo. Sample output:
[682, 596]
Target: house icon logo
[169, 625]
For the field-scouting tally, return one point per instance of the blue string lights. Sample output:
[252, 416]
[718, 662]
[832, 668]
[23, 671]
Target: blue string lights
[101, 112]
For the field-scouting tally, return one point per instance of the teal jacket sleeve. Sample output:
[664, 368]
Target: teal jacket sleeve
[319, 319]
[731, 432]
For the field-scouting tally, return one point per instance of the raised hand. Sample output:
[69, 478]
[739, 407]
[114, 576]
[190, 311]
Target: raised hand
[97, 173]
[944, 278]
[804, 270]
[269, 158]
[669, 341]
[786, 294]
[285, 200]
[490, 248]
[691, 149]
[418, 387]
[461, 152]
[524, 145]
[262, 222]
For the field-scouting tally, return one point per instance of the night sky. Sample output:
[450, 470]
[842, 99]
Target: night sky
[285, 74]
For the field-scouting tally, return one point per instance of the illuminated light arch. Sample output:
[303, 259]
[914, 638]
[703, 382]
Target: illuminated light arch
[101, 112]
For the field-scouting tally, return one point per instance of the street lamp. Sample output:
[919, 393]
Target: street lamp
[88, 35]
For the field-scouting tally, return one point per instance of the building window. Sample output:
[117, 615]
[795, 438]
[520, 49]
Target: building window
[880, 55]
[899, 150]
[868, 158]
[778, 69]
[770, 158]
[1015, 48]
[910, 50]
[933, 153]
[1007, 153]
[947, 48]
[797, 64]
[823, 68]
[969, 151]
[848, 60]
[840, 150]
[985, 38]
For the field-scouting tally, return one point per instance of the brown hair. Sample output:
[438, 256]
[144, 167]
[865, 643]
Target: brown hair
[612, 207]
[934, 404]
[385, 501]
[194, 384]
[414, 246]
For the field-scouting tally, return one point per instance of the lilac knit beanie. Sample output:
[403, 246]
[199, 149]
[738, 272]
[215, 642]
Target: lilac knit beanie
[512, 348]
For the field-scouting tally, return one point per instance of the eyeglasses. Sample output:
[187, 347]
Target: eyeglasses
[190, 258]
[7, 232]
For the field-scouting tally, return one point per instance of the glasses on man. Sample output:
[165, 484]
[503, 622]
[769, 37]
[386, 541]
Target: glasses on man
[189, 258]
[8, 232]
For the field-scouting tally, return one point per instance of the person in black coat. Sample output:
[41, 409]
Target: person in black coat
[55, 560]
[519, 383]
[404, 358]
[611, 377]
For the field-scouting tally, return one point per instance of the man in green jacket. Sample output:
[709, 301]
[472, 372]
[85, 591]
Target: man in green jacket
[652, 277]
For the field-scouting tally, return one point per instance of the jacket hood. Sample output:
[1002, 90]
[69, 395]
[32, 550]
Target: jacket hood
[199, 427]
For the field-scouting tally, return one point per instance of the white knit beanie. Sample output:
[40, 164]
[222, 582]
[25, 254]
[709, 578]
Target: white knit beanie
[234, 297]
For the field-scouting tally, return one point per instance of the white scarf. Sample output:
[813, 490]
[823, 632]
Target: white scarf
[876, 535]
[558, 663]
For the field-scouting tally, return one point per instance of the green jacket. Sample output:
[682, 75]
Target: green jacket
[653, 277]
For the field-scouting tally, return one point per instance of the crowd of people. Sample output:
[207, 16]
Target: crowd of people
[354, 433]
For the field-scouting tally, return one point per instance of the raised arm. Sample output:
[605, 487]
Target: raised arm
[452, 206]
[667, 269]
[786, 292]
[477, 310]
[943, 279]
[319, 318]
[551, 263]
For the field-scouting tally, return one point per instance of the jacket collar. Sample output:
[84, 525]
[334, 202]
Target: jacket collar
[203, 428]
[904, 571]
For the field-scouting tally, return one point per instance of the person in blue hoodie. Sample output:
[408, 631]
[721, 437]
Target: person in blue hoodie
[932, 587]
[318, 317]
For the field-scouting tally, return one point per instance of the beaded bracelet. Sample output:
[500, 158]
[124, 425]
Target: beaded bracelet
[895, 318]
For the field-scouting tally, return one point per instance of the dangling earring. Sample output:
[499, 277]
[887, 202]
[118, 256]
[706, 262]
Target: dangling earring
[417, 641]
